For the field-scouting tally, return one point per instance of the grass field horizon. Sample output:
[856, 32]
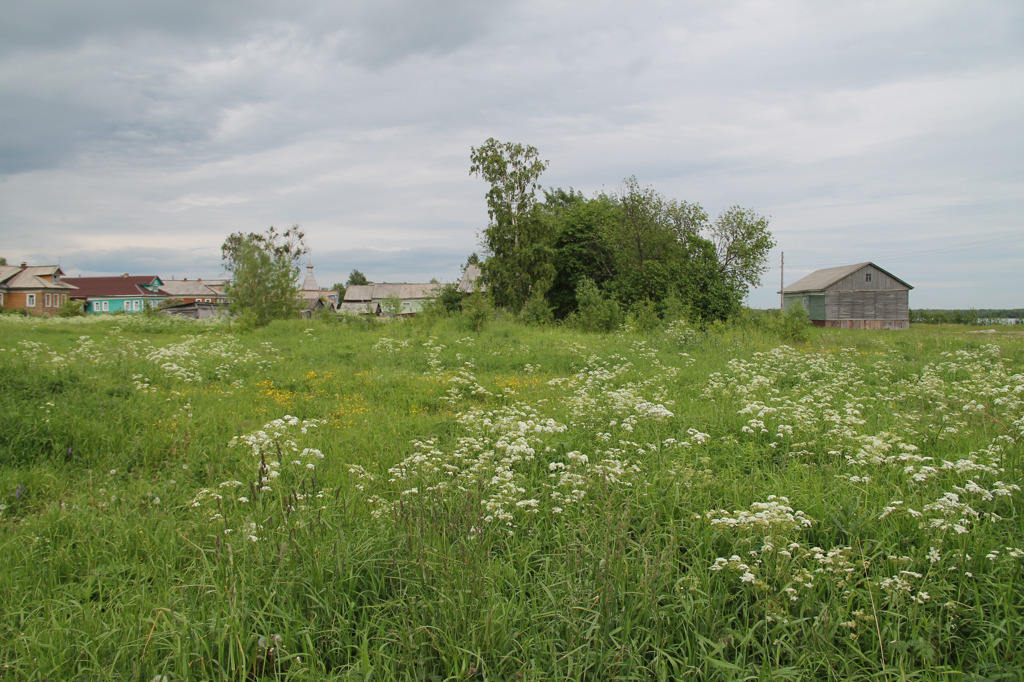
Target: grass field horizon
[419, 500]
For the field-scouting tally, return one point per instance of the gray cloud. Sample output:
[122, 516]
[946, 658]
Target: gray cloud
[140, 135]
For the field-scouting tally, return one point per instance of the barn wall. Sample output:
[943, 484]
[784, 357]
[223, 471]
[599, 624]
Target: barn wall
[867, 305]
[867, 324]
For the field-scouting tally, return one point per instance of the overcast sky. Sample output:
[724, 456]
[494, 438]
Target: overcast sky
[135, 136]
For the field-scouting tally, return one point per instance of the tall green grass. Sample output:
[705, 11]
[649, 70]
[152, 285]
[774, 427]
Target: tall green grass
[510, 503]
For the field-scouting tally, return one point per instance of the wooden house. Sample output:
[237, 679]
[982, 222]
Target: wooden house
[126, 293]
[194, 290]
[376, 299]
[861, 296]
[196, 310]
[34, 289]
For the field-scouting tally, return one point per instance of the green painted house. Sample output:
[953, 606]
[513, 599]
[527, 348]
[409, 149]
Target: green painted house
[123, 294]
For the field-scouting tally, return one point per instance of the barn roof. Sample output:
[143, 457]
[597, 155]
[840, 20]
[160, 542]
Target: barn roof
[359, 292]
[819, 280]
[404, 291]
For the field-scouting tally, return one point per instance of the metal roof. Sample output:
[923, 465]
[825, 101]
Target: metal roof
[402, 290]
[32, 277]
[359, 292]
[188, 288]
[125, 285]
[819, 280]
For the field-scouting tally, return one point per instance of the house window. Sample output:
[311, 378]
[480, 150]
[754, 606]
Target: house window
[867, 276]
[48, 301]
[105, 306]
[30, 300]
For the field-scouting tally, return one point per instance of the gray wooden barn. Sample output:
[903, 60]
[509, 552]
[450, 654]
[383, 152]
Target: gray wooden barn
[861, 296]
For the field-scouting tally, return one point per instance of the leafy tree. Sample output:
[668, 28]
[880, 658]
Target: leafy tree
[580, 249]
[537, 310]
[392, 305]
[647, 253]
[594, 312]
[638, 248]
[356, 278]
[72, 308]
[264, 269]
[3, 261]
[742, 241]
[705, 290]
[449, 298]
[518, 247]
[477, 308]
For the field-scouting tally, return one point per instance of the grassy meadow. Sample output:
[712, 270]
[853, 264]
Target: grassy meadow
[417, 500]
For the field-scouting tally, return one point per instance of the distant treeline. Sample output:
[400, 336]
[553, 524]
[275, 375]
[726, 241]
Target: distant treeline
[973, 316]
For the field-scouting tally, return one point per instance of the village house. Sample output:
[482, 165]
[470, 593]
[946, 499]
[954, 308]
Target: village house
[124, 293]
[860, 296]
[195, 290]
[377, 299]
[195, 310]
[33, 289]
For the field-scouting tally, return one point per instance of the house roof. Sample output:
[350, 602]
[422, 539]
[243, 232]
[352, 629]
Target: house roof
[125, 285]
[359, 292]
[33, 277]
[188, 288]
[382, 290]
[819, 280]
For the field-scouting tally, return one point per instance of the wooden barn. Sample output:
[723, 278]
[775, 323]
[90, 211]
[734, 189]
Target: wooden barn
[861, 296]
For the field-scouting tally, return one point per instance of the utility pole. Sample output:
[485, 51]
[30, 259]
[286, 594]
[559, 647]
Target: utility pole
[782, 281]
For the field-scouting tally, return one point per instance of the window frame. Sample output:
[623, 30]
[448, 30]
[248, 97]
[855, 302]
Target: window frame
[30, 300]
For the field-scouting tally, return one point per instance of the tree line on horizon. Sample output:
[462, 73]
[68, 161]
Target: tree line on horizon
[971, 316]
[633, 251]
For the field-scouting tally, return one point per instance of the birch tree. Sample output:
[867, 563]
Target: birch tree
[519, 252]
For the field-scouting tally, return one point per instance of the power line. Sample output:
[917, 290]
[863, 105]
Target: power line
[968, 246]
